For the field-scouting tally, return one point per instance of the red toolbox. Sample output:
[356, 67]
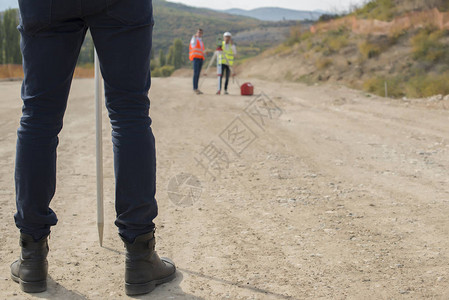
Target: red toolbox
[247, 89]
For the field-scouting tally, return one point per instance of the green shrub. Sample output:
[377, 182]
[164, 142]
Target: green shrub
[164, 71]
[424, 85]
[297, 35]
[337, 43]
[418, 86]
[377, 9]
[328, 17]
[395, 36]
[370, 50]
[282, 48]
[309, 45]
[156, 72]
[333, 41]
[428, 46]
[376, 85]
[323, 63]
[153, 65]
[306, 36]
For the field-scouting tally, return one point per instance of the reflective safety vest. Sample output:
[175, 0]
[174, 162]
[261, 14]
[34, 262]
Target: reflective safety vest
[196, 51]
[229, 54]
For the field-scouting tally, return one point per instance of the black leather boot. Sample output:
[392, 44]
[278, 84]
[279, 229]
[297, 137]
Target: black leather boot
[143, 267]
[31, 269]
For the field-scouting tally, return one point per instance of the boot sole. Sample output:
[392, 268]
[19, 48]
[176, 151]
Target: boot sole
[30, 287]
[133, 289]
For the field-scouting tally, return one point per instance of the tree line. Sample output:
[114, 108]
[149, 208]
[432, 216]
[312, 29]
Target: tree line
[9, 37]
[164, 65]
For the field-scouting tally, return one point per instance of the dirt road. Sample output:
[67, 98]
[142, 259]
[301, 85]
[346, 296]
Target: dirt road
[319, 192]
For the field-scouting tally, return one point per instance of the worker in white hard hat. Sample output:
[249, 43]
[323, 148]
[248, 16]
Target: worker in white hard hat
[229, 52]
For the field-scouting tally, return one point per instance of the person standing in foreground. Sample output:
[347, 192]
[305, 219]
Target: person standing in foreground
[52, 33]
[227, 60]
[197, 56]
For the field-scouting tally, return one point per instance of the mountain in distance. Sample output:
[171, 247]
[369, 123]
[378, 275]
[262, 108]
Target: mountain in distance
[263, 14]
[276, 14]
[175, 20]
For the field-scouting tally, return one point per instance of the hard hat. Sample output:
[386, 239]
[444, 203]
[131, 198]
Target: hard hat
[227, 34]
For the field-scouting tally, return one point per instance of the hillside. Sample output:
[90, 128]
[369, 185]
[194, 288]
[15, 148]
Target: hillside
[276, 14]
[174, 20]
[386, 10]
[178, 21]
[408, 55]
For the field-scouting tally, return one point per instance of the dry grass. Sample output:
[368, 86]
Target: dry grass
[16, 71]
[376, 85]
[386, 10]
[418, 86]
[11, 71]
[86, 71]
[323, 63]
[413, 62]
[330, 42]
[428, 85]
[369, 50]
[377, 9]
[428, 45]
[413, 5]
[164, 71]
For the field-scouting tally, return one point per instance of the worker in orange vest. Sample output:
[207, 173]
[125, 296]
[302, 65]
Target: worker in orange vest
[197, 55]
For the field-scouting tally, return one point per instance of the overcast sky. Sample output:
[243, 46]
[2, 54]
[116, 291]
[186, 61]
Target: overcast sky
[328, 5]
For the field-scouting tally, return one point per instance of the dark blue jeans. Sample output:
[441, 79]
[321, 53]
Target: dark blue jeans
[197, 65]
[52, 33]
[225, 68]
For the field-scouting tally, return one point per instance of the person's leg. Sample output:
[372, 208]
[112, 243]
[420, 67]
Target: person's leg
[228, 71]
[50, 50]
[122, 36]
[200, 66]
[196, 73]
[221, 77]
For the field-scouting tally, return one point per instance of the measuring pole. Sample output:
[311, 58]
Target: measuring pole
[207, 69]
[99, 149]
[219, 67]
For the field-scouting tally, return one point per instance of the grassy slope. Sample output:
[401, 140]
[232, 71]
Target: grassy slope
[414, 63]
[386, 10]
[175, 20]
